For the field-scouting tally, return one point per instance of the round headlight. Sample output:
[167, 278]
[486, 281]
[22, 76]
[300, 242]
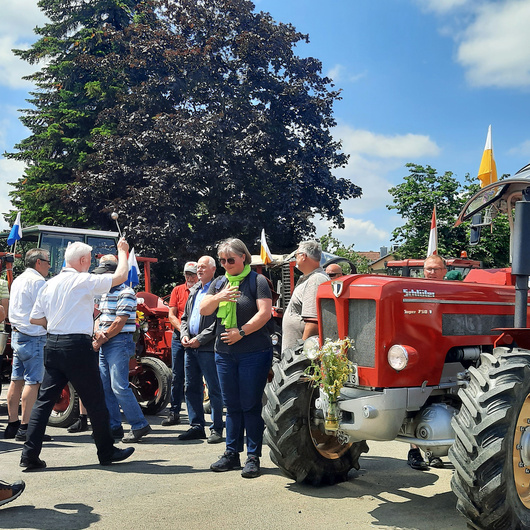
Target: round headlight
[398, 357]
[275, 339]
[311, 348]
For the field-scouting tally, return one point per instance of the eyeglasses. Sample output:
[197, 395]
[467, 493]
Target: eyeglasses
[296, 254]
[46, 260]
[433, 269]
[230, 261]
[334, 275]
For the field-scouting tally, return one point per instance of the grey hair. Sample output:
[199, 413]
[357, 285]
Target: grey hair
[211, 261]
[76, 251]
[34, 254]
[312, 248]
[236, 246]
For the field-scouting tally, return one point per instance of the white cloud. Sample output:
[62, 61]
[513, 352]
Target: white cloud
[494, 48]
[339, 74]
[442, 6]
[10, 171]
[384, 146]
[16, 27]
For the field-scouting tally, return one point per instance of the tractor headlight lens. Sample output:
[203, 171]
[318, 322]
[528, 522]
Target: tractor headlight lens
[398, 357]
[275, 339]
[311, 348]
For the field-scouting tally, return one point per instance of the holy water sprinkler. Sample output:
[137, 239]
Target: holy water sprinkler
[114, 216]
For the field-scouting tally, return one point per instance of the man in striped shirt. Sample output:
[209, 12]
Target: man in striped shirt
[114, 340]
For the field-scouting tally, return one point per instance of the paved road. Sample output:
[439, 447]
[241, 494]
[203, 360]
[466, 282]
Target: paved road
[168, 484]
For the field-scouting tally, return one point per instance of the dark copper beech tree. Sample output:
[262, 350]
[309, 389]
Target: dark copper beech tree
[194, 120]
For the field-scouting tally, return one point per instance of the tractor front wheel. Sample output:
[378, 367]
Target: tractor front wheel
[151, 384]
[66, 410]
[491, 453]
[295, 433]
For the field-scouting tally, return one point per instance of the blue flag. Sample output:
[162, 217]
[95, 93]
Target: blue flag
[134, 271]
[16, 231]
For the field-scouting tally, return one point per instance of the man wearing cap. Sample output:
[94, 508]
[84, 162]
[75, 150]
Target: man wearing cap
[65, 307]
[177, 303]
[113, 340]
[299, 320]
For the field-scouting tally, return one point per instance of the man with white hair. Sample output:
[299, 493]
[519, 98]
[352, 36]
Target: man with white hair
[65, 307]
[299, 320]
[197, 334]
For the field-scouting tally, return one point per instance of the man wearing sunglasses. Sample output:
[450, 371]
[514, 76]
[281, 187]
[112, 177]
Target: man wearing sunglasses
[27, 341]
[299, 320]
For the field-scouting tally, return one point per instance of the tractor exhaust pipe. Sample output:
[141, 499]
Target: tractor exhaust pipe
[521, 259]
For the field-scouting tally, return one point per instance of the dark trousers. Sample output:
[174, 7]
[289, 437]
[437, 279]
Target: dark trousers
[70, 358]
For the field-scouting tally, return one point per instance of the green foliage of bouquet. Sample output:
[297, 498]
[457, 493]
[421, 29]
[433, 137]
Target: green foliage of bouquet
[330, 368]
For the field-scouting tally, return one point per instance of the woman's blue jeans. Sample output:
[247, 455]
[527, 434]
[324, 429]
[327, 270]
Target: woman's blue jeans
[243, 378]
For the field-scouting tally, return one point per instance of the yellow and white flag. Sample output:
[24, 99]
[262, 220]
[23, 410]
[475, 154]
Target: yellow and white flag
[265, 253]
[487, 172]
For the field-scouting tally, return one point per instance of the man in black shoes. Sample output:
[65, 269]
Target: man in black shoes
[197, 334]
[65, 307]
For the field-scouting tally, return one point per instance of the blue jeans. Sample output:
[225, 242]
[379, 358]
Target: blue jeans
[114, 358]
[28, 357]
[177, 367]
[243, 378]
[198, 364]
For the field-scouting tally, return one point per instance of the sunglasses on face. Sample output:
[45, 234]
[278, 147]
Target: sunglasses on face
[230, 261]
[334, 275]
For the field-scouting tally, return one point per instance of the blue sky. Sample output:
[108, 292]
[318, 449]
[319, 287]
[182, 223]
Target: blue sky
[421, 81]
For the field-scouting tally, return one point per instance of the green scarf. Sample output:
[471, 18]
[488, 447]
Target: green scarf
[227, 310]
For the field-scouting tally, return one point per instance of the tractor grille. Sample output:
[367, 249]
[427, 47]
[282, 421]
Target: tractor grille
[361, 328]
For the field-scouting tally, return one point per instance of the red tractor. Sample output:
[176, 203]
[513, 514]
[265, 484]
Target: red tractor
[149, 369]
[444, 365]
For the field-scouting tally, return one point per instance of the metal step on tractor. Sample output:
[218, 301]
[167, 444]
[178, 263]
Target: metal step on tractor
[149, 368]
[444, 365]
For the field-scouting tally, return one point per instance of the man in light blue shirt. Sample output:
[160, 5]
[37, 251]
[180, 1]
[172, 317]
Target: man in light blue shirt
[197, 334]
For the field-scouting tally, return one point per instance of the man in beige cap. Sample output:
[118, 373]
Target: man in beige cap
[177, 303]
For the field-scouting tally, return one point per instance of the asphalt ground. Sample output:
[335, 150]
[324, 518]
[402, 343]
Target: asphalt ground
[168, 484]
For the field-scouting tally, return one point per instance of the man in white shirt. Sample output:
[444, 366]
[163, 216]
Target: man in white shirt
[65, 307]
[27, 342]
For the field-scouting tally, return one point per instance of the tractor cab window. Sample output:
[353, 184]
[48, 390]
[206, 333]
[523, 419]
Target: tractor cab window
[56, 244]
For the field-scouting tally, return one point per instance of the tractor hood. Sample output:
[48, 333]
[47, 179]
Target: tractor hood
[500, 196]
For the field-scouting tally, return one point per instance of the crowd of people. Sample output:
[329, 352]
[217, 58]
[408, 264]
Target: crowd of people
[220, 336]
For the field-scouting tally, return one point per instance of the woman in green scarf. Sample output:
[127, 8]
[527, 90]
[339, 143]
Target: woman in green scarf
[243, 352]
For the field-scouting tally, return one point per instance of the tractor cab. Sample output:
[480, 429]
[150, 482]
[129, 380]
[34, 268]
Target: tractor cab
[56, 239]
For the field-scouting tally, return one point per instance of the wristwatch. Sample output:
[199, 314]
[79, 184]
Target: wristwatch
[242, 332]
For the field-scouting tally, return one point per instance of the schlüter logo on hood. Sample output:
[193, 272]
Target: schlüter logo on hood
[420, 293]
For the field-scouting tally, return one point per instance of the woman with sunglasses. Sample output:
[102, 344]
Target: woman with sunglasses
[243, 352]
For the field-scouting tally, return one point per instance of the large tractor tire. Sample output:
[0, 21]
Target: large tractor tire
[491, 453]
[152, 385]
[66, 410]
[295, 433]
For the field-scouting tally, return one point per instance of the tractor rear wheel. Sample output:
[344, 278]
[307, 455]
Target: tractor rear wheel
[298, 443]
[66, 410]
[152, 385]
[491, 453]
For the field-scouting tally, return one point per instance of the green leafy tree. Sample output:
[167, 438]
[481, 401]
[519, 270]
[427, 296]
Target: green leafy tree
[414, 200]
[199, 122]
[66, 105]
